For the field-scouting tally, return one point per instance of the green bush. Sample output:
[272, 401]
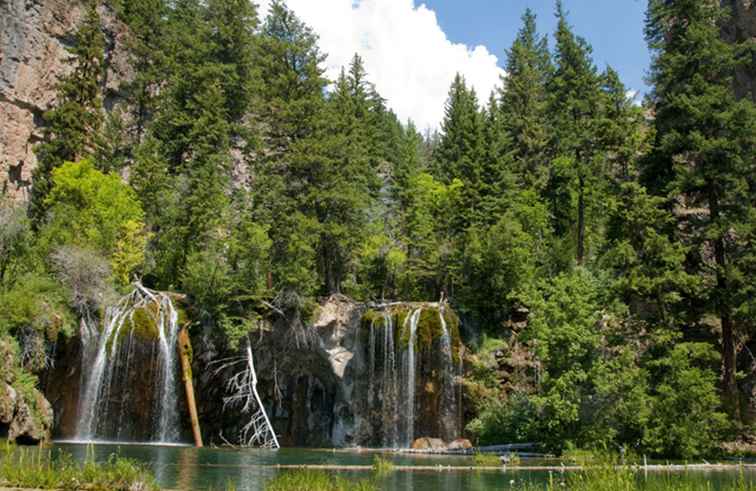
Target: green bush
[686, 419]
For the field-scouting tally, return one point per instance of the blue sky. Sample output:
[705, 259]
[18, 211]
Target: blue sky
[613, 27]
[412, 49]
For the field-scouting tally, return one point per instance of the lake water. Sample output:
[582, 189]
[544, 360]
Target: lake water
[188, 468]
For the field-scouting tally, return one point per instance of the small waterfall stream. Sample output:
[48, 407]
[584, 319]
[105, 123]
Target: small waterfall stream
[390, 409]
[410, 377]
[401, 398]
[108, 368]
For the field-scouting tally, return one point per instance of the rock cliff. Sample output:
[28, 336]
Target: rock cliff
[743, 28]
[25, 415]
[34, 37]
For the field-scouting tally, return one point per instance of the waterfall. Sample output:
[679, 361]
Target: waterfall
[420, 397]
[371, 373]
[410, 377]
[107, 368]
[449, 411]
[168, 425]
[93, 386]
[389, 408]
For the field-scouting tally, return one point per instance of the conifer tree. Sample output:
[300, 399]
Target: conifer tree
[524, 103]
[291, 110]
[703, 158]
[72, 126]
[460, 153]
[575, 108]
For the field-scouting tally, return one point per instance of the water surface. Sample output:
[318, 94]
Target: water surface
[188, 468]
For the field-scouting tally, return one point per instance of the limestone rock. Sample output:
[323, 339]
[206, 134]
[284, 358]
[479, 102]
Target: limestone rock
[743, 28]
[34, 35]
[460, 444]
[428, 444]
[335, 319]
[25, 415]
[32, 422]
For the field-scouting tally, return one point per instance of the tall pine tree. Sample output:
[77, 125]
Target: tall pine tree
[703, 158]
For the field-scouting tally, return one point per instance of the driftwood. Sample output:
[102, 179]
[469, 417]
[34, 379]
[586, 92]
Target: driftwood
[242, 387]
[185, 349]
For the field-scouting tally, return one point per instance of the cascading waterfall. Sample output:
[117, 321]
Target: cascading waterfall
[107, 367]
[449, 411]
[390, 410]
[395, 395]
[410, 377]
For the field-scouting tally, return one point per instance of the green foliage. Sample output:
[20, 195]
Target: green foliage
[382, 466]
[513, 420]
[90, 209]
[36, 302]
[309, 480]
[686, 418]
[44, 469]
[487, 460]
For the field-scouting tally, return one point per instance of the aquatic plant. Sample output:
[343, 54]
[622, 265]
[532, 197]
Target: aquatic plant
[309, 480]
[486, 460]
[44, 469]
[382, 466]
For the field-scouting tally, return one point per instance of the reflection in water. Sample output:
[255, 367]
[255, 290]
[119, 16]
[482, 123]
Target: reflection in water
[188, 468]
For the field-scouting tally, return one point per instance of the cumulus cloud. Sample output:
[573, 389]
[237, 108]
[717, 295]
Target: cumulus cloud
[407, 55]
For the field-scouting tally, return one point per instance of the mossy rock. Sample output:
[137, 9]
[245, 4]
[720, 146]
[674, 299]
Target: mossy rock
[371, 317]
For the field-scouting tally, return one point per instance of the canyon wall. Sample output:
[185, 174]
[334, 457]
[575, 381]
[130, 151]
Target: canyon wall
[34, 37]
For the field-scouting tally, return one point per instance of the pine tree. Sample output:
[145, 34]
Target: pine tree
[524, 103]
[72, 126]
[291, 111]
[575, 108]
[703, 157]
[460, 153]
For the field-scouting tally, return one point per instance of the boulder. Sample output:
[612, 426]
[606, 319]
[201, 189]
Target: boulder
[428, 444]
[460, 444]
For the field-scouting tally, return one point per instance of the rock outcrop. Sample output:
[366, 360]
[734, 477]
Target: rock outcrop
[25, 415]
[743, 28]
[34, 37]
[332, 392]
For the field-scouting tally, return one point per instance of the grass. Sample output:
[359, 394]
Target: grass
[382, 466]
[308, 480]
[611, 478]
[41, 469]
[486, 460]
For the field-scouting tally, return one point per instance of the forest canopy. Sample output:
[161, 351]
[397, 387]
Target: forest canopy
[603, 250]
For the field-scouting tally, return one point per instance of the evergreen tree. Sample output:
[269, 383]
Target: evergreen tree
[575, 108]
[524, 103]
[460, 153]
[291, 109]
[72, 126]
[703, 157]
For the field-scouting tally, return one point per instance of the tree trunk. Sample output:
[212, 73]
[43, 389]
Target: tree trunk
[729, 382]
[185, 349]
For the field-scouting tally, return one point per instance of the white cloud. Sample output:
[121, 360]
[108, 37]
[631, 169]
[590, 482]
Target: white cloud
[407, 55]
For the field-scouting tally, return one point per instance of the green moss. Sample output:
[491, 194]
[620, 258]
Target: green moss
[428, 328]
[452, 324]
[143, 323]
[371, 317]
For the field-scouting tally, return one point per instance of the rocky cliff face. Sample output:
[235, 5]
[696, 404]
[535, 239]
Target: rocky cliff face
[25, 415]
[34, 35]
[743, 28]
[336, 392]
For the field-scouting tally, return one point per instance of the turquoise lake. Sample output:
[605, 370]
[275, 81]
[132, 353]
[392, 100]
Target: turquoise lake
[188, 468]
